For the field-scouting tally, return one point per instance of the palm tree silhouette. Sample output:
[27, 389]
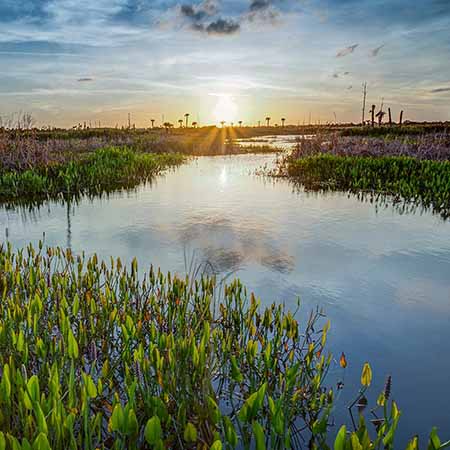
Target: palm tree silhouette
[180, 121]
[222, 123]
[194, 124]
[282, 121]
[167, 126]
[240, 123]
[268, 120]
[186, 116]
[153, 122]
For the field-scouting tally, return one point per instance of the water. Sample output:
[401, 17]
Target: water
[383, 278]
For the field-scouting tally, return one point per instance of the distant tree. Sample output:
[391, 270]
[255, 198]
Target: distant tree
[180, 121]
[167, 126]
[240, 123]
[222, 123]
[268, 121]
[231, 124]
[194, 124]
[282, 121]
[153, 122]
[186, 116]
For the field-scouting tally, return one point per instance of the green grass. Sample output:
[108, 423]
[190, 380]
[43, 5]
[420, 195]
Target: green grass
[97, 355]
[101, 171]
[409, 178]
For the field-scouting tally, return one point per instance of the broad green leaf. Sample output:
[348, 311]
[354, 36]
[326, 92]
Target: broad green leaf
[258, 432]
[33, 388]
[413, 444]
[132, 423]
[190, 433]
[356, 445]
[72, 345]
[91, 389]
[434, 442]
[153, 431]
[41, 442]
[5, 385]
[339, 443]
[117, 418]
[40, 418]
[217, 445]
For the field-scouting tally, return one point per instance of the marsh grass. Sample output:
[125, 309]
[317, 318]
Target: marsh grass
[102, 171]
[427, 182]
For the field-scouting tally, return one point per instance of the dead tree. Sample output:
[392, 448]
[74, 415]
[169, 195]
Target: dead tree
[364, 104]
[372, 112]
[401, 118]
[390, 116]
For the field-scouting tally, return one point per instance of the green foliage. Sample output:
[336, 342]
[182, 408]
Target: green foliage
[424, 181]
[96, 355]
[101, 171]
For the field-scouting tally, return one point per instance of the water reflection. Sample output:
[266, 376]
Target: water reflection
[381, 272]
[228, 246]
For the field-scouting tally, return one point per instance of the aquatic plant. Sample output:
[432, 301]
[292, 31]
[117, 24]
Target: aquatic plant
[101, 171]
[94, 354]
[416, 180]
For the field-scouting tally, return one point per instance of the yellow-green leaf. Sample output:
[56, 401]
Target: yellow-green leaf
[366, 375]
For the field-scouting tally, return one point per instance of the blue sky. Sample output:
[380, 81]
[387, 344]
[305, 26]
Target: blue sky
[68, 61]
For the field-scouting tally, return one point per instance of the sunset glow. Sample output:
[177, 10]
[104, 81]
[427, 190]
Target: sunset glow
[225, 110]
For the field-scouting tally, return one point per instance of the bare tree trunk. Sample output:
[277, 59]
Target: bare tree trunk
[401, 118]
[364, 104]
[390, 116]
[373, 115]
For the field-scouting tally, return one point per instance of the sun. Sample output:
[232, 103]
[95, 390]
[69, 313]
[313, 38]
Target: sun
[225, 109]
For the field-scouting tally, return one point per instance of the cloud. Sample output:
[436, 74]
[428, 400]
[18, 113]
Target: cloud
[374, 52]
[223, 26]
[262, 11]
[85, 80]
[346, 51]
[258, 5]
[339, 74]
[438, 90]
[200, 19]
[197, 13]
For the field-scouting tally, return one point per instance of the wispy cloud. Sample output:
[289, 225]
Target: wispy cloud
[375, 51]
[340, 74]
[346, 51]
[438, 90]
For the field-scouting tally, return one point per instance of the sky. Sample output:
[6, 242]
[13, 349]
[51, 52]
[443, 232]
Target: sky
[70, 61]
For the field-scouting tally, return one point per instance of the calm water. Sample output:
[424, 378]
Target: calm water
[382, 277]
